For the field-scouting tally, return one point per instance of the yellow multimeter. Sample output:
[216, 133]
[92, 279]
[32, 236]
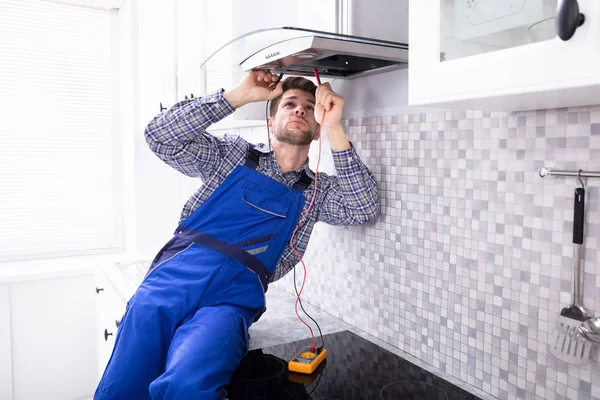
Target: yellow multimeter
[307, 379]
[306, 362]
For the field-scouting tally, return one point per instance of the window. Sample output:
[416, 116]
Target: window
[57, 146]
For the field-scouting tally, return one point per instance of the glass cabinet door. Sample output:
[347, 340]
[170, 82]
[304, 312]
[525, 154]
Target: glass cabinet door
[503, 54]
[472, 27]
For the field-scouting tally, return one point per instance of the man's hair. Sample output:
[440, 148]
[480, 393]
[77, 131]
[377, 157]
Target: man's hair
[292, 82]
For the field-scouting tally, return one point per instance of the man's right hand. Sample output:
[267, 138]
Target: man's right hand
[255, 86]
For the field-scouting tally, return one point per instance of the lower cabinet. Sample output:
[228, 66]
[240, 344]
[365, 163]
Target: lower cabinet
[47, 338]
[57, 331]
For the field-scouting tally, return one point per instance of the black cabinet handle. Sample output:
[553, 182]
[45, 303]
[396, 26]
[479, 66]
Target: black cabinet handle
[98, 290]
[568, 19]
[162, 108]
[117, 322]
[106, 335]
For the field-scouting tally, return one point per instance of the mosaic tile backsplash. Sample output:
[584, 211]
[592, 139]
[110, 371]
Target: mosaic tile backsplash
[471, 260]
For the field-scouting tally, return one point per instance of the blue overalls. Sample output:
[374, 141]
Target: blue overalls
[185, 329]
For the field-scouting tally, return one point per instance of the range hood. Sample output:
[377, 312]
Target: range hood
[335, 55]
[297, 51]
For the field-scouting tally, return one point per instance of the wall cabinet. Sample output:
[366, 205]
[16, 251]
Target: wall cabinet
[155, 46]
[501, 55]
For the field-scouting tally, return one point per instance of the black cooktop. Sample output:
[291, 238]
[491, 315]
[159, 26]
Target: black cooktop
[354, 369]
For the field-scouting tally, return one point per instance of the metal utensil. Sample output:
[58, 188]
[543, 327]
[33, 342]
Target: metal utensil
[569, 344]
[590, 329]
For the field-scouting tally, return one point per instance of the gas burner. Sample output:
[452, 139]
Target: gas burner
[346, 356]
[412, 390]
[257, 376]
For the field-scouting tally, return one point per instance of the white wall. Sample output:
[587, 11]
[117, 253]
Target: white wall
[375, 95]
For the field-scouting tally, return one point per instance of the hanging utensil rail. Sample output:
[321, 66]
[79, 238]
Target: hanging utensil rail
[560, 172]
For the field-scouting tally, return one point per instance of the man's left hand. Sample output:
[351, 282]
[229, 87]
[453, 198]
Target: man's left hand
[331, 102]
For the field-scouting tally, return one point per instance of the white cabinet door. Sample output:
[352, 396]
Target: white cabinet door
[102, 315]
[190, 52]
[501, 55]
[110, 307]
[153, 44]
[53, 338]
[5, 344]
[156, 51]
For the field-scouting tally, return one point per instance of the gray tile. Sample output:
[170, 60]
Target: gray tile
[471, 260]
[573, 118]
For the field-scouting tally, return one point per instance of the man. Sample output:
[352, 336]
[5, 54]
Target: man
[185, 330]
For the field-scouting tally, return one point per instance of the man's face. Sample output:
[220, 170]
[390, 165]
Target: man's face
[294, 123]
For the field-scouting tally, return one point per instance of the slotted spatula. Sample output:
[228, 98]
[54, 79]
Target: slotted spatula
[567, 343]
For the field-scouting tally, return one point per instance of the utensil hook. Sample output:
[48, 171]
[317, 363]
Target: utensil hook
[579, 171]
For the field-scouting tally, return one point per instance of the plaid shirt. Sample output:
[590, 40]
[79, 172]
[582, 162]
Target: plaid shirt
[178, 137]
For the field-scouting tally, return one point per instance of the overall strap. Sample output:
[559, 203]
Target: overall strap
[231, 250]
[302, 183]
[252, 157]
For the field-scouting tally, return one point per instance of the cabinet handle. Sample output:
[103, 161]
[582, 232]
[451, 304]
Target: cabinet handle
[162, 108]
[98, 290]
[117, 322]
[106, 335]
[568, 19]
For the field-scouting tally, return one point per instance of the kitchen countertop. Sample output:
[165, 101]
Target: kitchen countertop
[279, 324]
[52, 268]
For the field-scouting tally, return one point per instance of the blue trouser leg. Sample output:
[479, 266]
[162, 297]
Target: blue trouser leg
[203, 355]
[140, 347]
[169, 298]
